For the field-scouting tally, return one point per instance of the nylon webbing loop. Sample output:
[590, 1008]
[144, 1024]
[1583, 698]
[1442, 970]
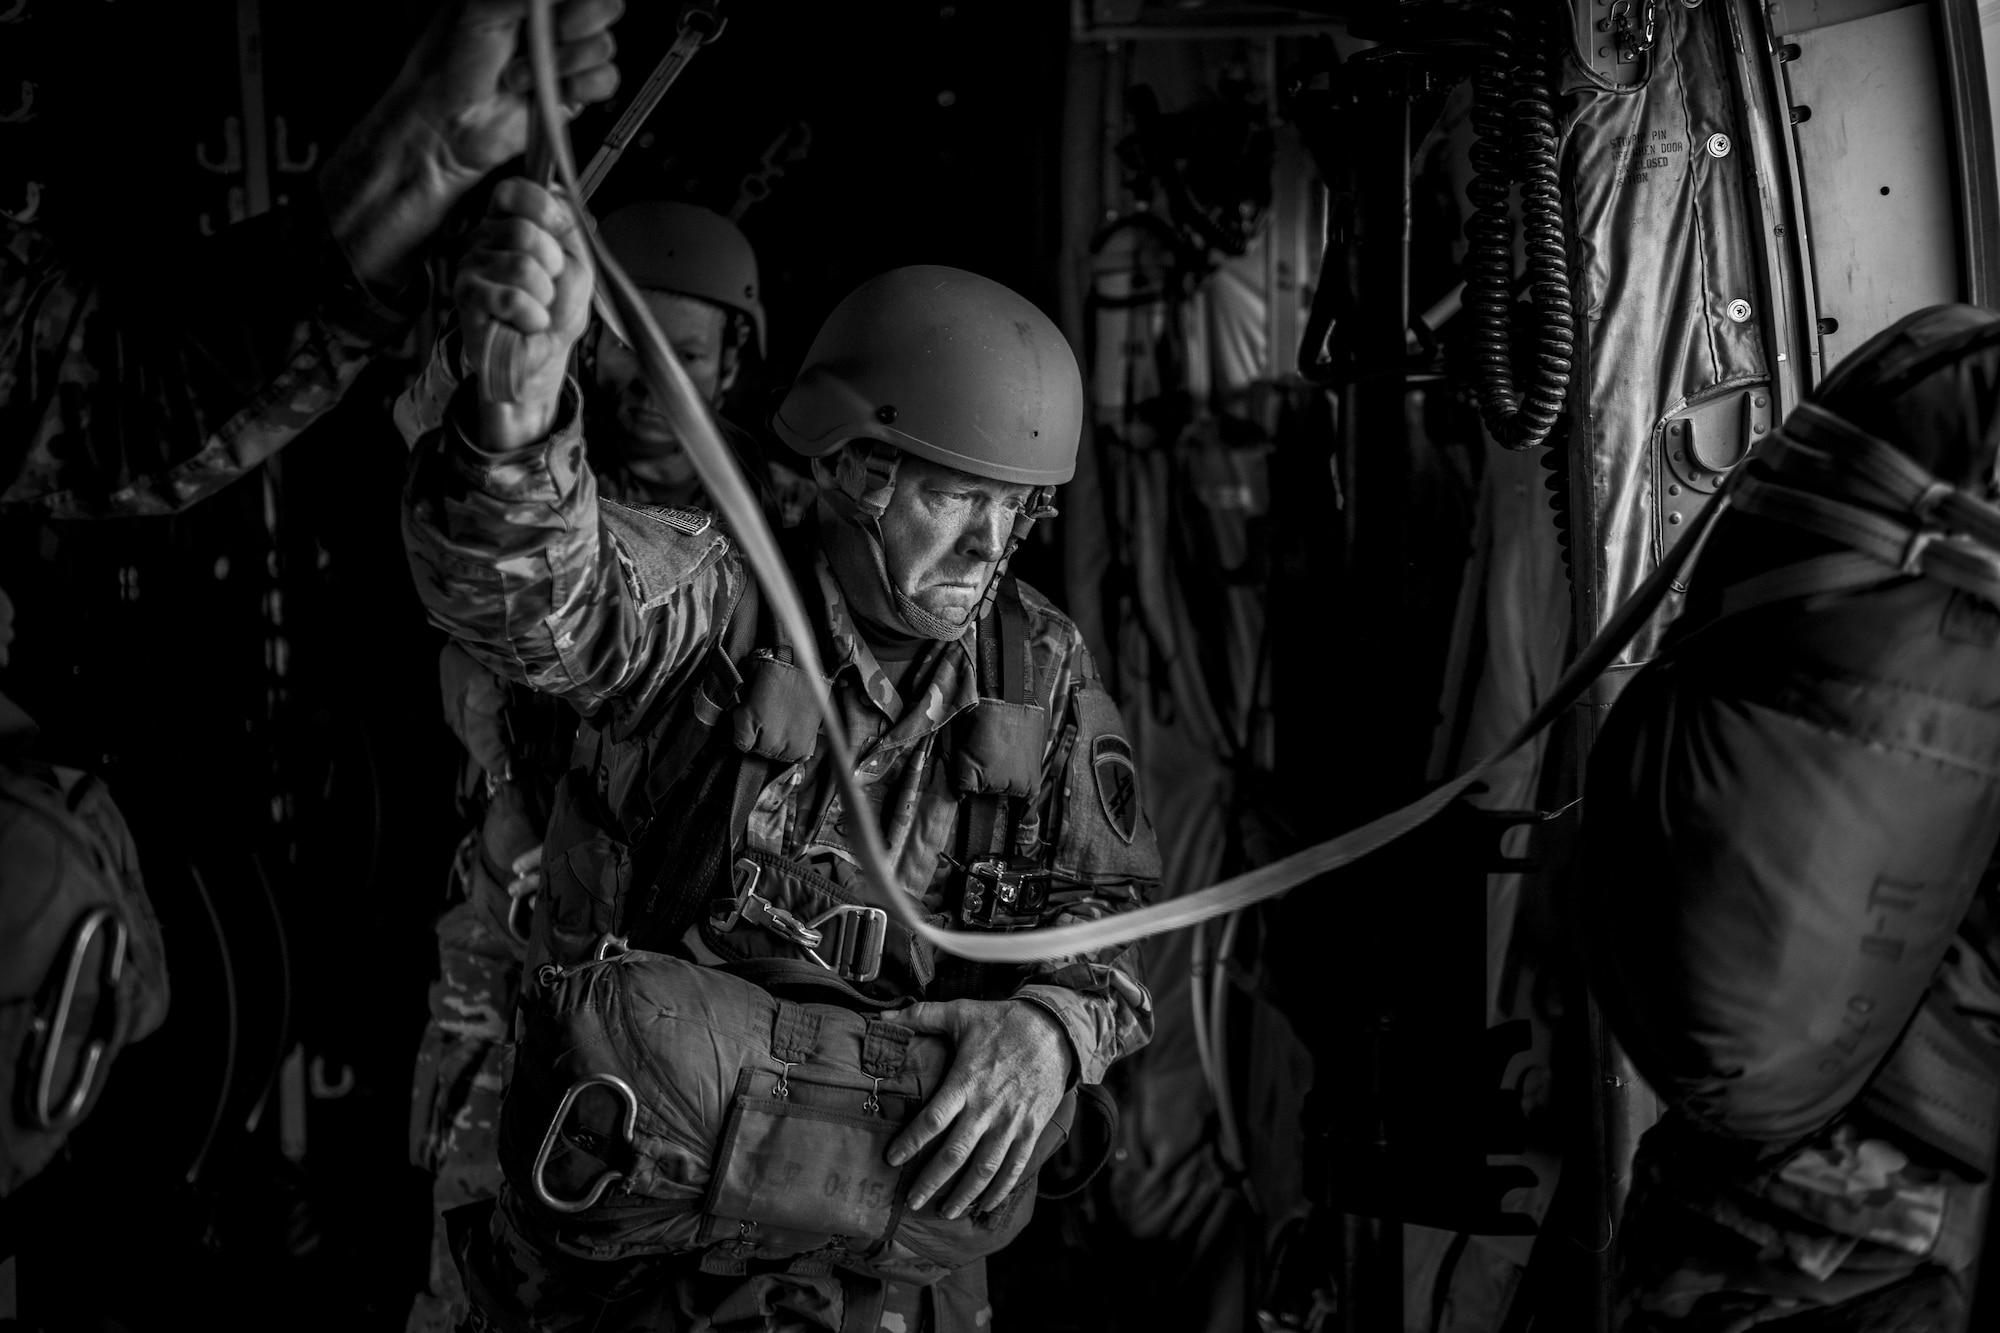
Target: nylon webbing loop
[1941, 531]
[1899, 482]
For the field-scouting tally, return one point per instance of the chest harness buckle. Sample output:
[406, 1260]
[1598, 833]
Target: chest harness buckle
[846, 941]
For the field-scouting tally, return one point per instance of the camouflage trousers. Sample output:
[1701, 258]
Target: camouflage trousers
[461, 1073]
[1843, 1235]
[518, 1286]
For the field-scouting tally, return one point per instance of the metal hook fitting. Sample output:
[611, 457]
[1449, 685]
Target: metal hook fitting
[52, 1028]
[605, 1180]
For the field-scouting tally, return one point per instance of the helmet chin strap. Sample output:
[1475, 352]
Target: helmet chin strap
[1039, 506]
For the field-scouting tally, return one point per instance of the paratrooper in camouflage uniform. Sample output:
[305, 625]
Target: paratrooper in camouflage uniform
[939, 410]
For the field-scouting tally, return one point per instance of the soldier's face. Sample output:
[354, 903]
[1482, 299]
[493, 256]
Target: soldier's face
[943, 535]
[698, 333]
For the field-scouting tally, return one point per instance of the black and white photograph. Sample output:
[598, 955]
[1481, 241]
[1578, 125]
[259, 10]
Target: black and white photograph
[999, 666]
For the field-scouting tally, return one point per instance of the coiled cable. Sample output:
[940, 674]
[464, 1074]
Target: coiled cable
[1555, 461]
[1516, 142]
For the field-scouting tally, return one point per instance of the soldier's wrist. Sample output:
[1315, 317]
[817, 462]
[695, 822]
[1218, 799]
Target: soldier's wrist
[1062, 1042]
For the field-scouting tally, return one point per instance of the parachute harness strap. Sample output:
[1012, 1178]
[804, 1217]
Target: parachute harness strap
[1895, 517]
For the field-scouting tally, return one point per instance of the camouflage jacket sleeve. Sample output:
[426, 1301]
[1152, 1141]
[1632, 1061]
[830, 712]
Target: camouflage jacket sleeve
[1107, 860]
[147, 389]
[517, 558]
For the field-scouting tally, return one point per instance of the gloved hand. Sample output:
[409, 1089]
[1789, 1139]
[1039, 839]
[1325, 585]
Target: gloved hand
[1010, 1066]
[458, 109]
[527, 268]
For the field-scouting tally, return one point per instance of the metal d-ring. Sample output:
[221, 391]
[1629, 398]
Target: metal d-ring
[51, 1030]
[603, 1181]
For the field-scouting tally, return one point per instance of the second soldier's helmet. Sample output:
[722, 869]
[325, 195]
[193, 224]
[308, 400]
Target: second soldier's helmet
[948, 366]
[675, 247]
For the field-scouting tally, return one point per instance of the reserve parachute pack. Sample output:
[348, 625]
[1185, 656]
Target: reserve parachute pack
[82, 967]
[663, 1108]
[1789, 812]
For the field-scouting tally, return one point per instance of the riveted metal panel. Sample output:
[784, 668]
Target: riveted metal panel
[1796, 16]
[1874, 154]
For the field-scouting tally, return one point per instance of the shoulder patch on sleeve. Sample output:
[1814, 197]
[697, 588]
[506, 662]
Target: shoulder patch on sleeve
[661, 549]
[1117, 785]
[1104, 835]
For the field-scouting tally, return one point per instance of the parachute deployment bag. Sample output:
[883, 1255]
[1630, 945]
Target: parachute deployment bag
[1788, 812]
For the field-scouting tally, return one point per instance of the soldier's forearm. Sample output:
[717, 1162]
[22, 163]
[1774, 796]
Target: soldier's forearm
[239, 343]
[516, 557]
[490, 536]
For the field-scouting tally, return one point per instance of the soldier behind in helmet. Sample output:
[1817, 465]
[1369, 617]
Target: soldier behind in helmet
[698, 273]
[939, 410]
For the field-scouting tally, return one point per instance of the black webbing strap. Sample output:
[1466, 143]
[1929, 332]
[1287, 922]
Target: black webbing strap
[1842, 571]
[1017, 665]
[797, 976]
[1934, 529]
[1005, 670]
[1834, 456]
[677, 856]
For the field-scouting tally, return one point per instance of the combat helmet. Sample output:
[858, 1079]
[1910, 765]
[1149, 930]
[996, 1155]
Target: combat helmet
[676, 247]
[946, 365]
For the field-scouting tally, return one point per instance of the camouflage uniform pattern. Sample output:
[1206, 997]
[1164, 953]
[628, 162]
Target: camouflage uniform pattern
[1849, 1230]
[1846, 1228]
[462, 1070]
[110, 411]
[463, 1057]
[607, 606]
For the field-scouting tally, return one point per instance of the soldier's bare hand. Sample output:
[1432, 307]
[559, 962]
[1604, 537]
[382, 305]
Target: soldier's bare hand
[526, 270]
[459, 108]
[1009, 1067]
[471, 83]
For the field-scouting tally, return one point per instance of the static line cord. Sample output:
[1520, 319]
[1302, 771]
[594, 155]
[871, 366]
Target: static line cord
[720, 473]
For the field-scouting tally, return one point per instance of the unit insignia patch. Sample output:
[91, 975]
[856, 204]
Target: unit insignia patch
[1117, 784]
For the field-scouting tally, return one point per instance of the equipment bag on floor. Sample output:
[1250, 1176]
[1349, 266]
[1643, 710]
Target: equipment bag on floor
[659, 1107]
[1789, 811]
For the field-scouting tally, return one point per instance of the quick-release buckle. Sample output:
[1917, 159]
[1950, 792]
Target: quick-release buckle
[1004, 893]
[605, 1179]
[846, 941]
[851, 940]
